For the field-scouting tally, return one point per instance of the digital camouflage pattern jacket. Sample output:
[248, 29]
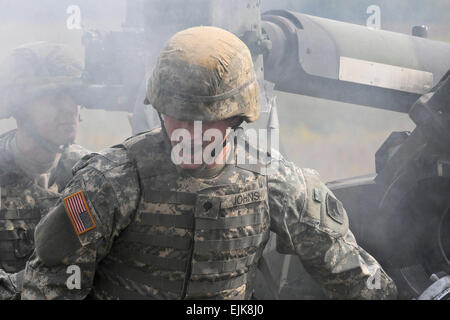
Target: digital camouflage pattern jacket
[25, 200]
[135, 227]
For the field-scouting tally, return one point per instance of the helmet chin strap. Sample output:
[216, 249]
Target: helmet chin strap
[163, 127]
[41, 141]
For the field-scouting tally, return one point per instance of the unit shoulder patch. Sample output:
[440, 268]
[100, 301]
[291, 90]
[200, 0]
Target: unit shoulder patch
[335, 209]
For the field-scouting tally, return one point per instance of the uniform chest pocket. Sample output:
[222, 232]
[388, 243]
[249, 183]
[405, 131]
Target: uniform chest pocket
[209, 207]
[206, 206]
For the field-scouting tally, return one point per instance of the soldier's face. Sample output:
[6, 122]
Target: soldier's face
[55, 117]
[196, 141]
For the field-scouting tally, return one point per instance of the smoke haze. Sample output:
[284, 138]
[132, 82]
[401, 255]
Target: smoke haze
[337, 139]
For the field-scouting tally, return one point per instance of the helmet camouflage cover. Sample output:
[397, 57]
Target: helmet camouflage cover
[207, 74]
[35, 69]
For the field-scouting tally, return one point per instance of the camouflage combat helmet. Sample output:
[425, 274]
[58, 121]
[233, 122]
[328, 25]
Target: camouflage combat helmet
[207, 74]
[35, 69]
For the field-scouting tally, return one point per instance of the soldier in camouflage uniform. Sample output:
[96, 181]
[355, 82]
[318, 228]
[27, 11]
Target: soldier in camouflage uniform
[37, 157]
[140, 227]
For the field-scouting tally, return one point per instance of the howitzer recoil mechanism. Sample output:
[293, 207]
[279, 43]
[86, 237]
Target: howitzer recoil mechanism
[402, 214]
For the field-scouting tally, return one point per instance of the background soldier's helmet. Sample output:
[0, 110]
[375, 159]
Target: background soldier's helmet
[207, 74]
[33, 70]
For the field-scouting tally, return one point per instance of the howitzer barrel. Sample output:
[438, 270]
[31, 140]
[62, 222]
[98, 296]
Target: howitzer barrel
[350, 63]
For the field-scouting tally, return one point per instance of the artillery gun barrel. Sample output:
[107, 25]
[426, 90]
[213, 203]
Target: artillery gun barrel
[350, 63]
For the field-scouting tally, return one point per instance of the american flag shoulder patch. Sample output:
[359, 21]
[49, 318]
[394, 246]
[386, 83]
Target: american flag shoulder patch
[79, 213]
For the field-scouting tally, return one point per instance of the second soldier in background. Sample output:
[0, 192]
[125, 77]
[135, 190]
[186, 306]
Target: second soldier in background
[37, 80]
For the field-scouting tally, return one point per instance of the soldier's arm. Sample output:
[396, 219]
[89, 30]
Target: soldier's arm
[310, 222]
[68, 242]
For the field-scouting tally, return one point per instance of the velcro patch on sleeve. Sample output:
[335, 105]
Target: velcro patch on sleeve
[335, 209]
[79, 212]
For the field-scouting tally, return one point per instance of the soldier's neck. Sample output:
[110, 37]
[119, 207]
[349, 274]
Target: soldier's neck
[30, 155]
[211, 170]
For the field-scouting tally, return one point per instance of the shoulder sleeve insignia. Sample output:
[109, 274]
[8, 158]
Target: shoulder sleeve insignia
[79, 213]
[335, 209]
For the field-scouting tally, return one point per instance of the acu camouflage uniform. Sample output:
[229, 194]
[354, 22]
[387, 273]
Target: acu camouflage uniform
[155, 231]
[155, 239]
[30, 71]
